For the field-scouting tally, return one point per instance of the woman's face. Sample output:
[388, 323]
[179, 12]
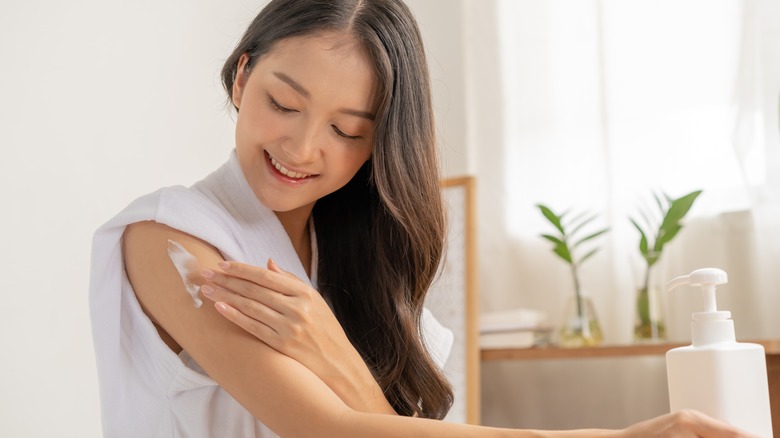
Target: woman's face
[305, 118]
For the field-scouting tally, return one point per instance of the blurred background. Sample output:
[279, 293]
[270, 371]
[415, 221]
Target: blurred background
[590, 105]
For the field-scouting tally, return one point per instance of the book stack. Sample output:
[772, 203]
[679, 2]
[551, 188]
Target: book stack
[514, 328]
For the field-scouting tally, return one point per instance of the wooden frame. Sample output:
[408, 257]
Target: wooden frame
[453, 298]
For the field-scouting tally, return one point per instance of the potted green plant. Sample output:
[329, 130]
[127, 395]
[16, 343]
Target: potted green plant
[580, 327]
[657, 227]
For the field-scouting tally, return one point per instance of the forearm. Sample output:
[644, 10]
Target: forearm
[254, 297]
[378, 426]
[356, 386]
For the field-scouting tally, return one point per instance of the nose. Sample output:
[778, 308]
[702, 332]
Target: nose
[303, 148]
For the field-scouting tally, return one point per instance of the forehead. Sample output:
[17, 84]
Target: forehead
[339, 44]
[325, 63]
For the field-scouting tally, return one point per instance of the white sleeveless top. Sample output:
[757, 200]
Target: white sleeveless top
[146, 390]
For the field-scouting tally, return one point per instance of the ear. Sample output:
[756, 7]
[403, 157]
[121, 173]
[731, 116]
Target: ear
[242, 74]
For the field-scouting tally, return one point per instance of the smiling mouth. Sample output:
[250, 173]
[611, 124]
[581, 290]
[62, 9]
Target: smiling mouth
[286, 172]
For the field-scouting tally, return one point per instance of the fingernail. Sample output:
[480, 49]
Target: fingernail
[273, 264]
[224, 265]
[222, 307]
[207, 273]
[206, 289]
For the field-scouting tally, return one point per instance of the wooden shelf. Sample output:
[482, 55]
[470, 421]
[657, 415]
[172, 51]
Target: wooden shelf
[772, 347]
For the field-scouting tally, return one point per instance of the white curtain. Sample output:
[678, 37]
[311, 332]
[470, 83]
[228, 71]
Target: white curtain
[601, 103]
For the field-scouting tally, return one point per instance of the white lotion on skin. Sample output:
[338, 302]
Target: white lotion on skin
[188, 267]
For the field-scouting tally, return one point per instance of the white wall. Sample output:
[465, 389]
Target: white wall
[100, 102]
[442, 26]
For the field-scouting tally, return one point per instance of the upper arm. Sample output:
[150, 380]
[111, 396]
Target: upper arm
[276, 389]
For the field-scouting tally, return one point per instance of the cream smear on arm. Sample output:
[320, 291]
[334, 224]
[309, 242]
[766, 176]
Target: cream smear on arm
[188, 268]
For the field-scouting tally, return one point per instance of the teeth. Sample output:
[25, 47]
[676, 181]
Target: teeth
[284, 171]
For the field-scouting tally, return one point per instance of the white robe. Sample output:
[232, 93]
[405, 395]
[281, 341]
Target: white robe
[146, 390]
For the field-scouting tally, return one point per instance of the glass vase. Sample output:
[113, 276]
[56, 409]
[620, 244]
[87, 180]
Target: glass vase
[649, 325]
[580, 326]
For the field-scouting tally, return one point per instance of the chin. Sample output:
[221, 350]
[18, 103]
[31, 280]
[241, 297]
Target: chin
[285, 205]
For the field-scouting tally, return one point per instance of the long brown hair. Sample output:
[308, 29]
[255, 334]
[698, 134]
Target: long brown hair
[380, 237]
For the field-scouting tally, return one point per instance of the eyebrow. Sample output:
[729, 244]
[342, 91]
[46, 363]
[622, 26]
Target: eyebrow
[305, 93]
[293, 84]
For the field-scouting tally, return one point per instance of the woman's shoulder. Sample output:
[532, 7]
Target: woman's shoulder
[146, 251]
[165, 200]
[174, 208]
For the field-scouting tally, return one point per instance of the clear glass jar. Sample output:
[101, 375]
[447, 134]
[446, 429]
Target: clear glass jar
[580, 327]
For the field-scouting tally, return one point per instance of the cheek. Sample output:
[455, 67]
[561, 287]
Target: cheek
[351, 159]
[258, 126]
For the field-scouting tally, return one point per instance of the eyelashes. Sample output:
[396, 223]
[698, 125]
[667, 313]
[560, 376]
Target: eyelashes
[284, 110]
[342, 134]
[275, 105]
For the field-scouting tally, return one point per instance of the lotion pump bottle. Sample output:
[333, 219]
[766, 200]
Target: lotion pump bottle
[717, 375]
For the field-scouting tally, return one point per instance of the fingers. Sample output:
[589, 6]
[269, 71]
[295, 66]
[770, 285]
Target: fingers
[252, 308]
[275, 288]
[706, 426]
[253, 326]
[272, 287]
[274, 267]
[273, 278]
[683, 424]
[243, 288]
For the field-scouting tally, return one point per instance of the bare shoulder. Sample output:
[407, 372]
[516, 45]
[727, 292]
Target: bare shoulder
[156, 282]
[144, 246]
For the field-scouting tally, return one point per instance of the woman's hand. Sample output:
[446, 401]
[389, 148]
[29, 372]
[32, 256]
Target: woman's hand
[687, 423]
[291, 317]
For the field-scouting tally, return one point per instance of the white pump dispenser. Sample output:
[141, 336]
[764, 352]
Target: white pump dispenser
[717, 375]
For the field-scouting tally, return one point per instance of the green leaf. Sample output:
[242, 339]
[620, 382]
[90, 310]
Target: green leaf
[652, 257]
[672, 213]
[671, 223]
[580, 225]
[665, 237]
[662, 206]
[576, 218]
[561, 244]
[588, 255]
[563, 252]
[648, 222]
[552, 217]
[589, 237]
[678, 209]
[643, 240]
[553, 239]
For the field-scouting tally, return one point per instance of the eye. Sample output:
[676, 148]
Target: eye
[275, 105]
[342, 134]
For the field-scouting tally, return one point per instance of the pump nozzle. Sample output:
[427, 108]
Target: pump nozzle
[707, 279]
[709, 326]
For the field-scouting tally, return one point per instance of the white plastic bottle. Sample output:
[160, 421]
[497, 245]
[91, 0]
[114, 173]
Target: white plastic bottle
[717, 375]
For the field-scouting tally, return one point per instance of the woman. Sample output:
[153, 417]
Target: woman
[333, 177]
